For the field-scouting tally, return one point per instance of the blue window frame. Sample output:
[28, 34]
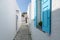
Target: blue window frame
[46, 15]
[35, 13]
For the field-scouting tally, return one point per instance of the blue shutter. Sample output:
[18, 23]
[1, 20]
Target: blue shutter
[35, 13]
[45, 15]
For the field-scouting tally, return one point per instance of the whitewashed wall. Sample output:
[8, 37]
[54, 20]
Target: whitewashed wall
[55, 24]
[7, 19]
[19, 16]
[29, 12]
[55, 20]
[32, 9]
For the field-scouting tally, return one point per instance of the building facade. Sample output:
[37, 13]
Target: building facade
[48, 12]
[7, 19]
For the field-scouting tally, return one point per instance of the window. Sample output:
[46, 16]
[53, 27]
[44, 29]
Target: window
[45, 15]
[17, 11]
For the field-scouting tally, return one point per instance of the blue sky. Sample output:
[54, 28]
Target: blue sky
[23, 4]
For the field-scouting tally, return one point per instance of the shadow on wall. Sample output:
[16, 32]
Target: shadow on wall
[55, 24]
[36, 34]
[56, 11]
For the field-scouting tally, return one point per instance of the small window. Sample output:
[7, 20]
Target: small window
[17, 11]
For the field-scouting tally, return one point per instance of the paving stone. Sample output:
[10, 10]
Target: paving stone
[23, 33]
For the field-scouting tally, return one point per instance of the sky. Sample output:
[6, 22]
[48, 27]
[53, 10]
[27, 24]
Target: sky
[23, 4]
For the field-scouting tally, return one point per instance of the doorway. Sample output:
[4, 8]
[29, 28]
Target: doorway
[46, 15]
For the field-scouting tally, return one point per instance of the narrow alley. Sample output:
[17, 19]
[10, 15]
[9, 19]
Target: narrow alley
[29, 19]
[23, 33]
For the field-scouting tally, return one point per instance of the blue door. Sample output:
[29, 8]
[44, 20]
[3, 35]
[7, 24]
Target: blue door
[45, 15]
[35, 13]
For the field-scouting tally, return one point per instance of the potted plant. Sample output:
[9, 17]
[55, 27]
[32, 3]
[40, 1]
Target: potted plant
[40, 24]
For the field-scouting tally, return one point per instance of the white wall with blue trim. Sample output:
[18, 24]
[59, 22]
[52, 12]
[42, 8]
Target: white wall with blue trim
[55, 24]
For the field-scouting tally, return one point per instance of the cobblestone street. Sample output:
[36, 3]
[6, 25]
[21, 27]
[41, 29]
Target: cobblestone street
[23, 33]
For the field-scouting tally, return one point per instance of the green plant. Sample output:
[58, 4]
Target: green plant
[40, 23]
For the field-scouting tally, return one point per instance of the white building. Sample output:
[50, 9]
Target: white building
[18, 17]
[7, 19]
[36, 34]
[29, 13]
